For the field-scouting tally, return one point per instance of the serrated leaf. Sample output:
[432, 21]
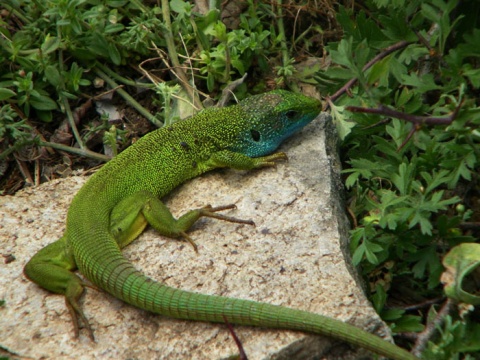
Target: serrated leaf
[442, 177]
[351, 180]
[357, 256]
[379, 298]
[423, 84]
[408, 323]
[371, 257]
[403, 178]
[343, 54]
[380, 72]
[392, 314]
[430, 12]
[344, 127]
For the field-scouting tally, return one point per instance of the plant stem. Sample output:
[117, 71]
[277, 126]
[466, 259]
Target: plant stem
[172, 52]
[122, 79]
[130, 100]
[281, 34]
[66, 105]
[77, 151]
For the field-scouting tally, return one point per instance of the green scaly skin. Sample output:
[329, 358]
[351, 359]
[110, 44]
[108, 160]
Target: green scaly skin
[116, 204]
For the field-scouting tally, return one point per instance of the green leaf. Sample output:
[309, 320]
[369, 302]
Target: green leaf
[427, 260]
[403, 179]
[181, 7]
[379, 298]
[357, 256]
[380, 71]
[53, 76]
[431, 13]
[42, 102]
[460, 262]
[50, 44]
[45, 115]
[238, 64]
[425, 224]
[344, 127]
[438, 178]
[423, 84]
[392, 314]
[343, 54]
[210, 82]
[408, 323]
[98, 44]
[114, 54]
[117, 3]
[6, 94]
[113, 28]
[351, 180]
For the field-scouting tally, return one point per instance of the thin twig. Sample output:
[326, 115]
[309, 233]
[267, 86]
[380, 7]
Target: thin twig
[241, 350]
[172, 52]
[66, 104]
[430, 328]
[469, 225]
[174, 73]
[387, 51]
[413, 130]
[415, 119]
[421, 305]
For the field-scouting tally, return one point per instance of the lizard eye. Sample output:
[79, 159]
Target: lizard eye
[291, 114]
[255, 135]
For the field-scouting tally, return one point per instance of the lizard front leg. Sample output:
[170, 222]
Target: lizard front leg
[131, 215]
[129, 218]
[239, 161]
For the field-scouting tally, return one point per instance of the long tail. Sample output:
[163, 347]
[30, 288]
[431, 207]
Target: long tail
[118, 277]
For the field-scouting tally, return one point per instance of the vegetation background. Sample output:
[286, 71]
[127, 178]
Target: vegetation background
[80, 80]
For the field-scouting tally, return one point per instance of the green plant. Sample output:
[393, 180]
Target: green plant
[411, 144]
[11, 130]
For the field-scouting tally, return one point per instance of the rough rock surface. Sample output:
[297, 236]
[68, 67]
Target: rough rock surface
[295, 257]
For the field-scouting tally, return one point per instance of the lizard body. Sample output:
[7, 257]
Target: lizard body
[117, 202]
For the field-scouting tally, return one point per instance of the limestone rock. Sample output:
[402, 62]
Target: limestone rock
[295, 257]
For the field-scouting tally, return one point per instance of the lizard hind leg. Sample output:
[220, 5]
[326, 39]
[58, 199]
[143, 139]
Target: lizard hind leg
[51, 268]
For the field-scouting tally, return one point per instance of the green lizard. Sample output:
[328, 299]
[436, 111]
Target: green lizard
[117, 203]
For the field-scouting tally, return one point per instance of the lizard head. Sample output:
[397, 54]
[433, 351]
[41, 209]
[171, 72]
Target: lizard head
[271, 118]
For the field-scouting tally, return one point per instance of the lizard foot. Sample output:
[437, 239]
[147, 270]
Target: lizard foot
[212, 212]
[73, 293]
[209, 211]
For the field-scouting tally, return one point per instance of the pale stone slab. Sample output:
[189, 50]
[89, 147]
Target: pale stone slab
[293, 257]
